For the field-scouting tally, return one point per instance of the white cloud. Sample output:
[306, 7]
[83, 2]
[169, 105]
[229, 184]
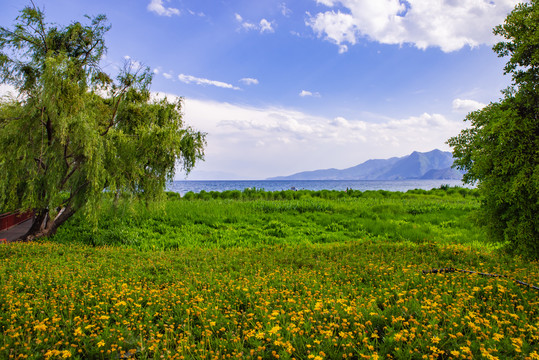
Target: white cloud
[132, 65]
[343, 48]
[285, 11]
[266, 26]
[188, 79]
[167, 75]
[246, 25]
[325, 2]
[7, 90]
[341, 122]
[305, 93]
[249, 81]
[466, 105]
[259, 142]
[447, 24]
[157, 7]
[337, 26]
[200, 13]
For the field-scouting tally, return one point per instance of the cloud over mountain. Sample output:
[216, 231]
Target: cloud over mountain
[291, 140]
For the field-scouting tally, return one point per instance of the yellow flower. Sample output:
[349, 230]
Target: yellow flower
[517, 342]
[101, 343]
[104, 317]
[78, 332]
[41, 327]
[51, 353]
[66, 354]
[275, 330]
[435, 339]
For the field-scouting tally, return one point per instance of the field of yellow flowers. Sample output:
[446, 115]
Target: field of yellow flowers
[363, 298]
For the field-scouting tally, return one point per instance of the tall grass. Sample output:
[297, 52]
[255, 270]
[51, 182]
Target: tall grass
[256, 218]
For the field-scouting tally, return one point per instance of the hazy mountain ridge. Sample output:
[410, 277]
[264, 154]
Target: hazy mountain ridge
[432, 165]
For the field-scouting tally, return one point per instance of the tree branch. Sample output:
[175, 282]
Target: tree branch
[66, 178]
[41, 163]
[65, 153]
[81, 186]
[42, 26]
[87, 54]
[48, 126]
[113, 117]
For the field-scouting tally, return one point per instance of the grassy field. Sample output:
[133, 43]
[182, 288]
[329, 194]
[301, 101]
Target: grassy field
[256, 275]
[256, 218]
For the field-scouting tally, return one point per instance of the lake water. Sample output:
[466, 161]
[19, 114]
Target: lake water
[185, 186]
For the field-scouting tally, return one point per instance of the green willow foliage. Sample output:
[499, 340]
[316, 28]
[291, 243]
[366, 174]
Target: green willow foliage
[73, 132]
[500, 150]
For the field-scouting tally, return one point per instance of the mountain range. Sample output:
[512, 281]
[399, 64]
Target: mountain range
[432, 165]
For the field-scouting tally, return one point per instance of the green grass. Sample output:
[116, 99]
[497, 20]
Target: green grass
[215, 220]
[321, 276]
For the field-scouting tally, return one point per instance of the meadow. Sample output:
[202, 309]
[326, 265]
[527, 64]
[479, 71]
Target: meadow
[271, 275]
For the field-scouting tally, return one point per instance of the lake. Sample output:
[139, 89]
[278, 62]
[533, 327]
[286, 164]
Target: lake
[184, 186]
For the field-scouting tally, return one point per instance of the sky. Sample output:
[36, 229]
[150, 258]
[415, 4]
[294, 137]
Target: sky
[287, 86]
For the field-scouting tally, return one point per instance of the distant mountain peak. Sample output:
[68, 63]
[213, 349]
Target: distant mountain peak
[435, 164]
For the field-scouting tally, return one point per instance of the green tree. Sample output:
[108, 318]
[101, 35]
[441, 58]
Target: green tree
[73, 133]
[500, 150]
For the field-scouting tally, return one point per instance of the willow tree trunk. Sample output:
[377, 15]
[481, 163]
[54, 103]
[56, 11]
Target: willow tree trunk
[44, 226]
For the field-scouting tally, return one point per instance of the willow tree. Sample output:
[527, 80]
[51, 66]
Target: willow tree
[73, 133]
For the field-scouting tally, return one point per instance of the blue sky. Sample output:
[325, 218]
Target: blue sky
[282, 87]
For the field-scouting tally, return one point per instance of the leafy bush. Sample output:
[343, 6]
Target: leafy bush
[499, 149]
